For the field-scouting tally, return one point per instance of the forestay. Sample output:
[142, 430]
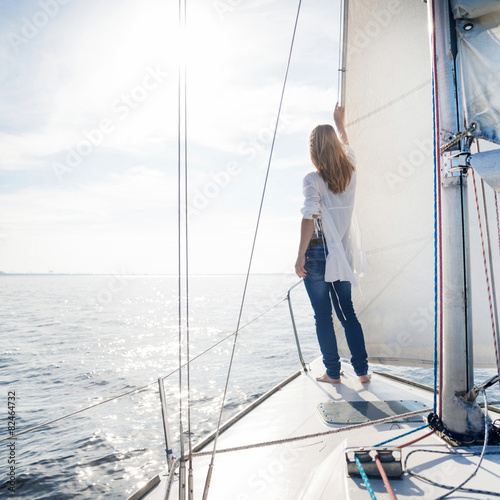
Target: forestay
[388, 99]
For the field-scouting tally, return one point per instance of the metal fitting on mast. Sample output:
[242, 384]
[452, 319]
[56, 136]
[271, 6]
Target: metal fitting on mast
[455, 163]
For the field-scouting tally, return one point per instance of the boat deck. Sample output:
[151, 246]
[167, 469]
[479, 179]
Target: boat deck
[315, 468]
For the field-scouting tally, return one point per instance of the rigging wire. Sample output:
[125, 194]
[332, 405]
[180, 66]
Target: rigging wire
[181, 21]
[210, 469]
[186, 258]
[182, 167]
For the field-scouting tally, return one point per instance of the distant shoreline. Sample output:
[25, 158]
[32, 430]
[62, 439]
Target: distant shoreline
[137, 275]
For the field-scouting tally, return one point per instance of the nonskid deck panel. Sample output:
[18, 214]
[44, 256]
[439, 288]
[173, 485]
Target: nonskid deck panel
[357, 412]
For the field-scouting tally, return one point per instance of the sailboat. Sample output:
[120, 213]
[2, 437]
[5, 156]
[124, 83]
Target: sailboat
[420, 84]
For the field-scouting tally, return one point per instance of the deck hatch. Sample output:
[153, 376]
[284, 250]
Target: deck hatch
[357, 412]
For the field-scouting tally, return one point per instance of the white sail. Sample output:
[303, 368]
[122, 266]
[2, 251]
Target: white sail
[478, 31]
[388, 98]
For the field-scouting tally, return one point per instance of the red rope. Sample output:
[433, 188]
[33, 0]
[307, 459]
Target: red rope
[439, 210]
[486, 271]
[383, 475]
[416, 440]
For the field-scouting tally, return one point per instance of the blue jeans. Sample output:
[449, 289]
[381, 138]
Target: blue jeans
[322, 295]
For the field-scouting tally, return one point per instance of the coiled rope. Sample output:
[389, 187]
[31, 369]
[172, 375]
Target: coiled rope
[460, 487]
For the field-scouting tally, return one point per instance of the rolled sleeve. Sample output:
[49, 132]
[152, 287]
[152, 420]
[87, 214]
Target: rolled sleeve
[312, 204]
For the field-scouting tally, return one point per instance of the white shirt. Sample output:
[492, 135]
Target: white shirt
[345, 251]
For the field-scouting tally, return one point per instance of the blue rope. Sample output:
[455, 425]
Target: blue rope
[365, 478]
[435, 248]
[402, 435]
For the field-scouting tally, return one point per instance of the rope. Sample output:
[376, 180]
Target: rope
[365, 478]
[460, 486]
[433, 483]
[438, 238]
[413, 441]
[205, 493]
[384, 477]
[482, 452]
[252, 446]
[402, 435]
[492, 317]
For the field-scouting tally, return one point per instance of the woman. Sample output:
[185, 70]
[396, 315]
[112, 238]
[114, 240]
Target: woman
[327, 252]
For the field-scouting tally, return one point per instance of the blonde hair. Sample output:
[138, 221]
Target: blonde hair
[330, 159]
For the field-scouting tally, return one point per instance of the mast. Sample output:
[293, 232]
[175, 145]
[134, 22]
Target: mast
[344, 9]
[463, 421]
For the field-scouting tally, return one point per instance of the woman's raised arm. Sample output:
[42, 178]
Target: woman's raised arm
[338, 118]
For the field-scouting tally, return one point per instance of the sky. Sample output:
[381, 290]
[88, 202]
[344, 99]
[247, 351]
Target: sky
[88, 132]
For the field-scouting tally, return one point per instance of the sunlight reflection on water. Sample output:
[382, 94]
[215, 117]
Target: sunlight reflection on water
[71, 345]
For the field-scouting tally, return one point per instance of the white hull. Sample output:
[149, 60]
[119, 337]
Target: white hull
[315, 468]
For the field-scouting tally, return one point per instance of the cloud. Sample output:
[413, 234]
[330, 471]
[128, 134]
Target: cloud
[66, 225]
[93, 96]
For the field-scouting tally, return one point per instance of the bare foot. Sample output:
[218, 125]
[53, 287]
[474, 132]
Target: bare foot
[326, 378]
[365, 378]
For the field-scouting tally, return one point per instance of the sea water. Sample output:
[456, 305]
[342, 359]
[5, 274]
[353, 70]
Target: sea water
[71, 342]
